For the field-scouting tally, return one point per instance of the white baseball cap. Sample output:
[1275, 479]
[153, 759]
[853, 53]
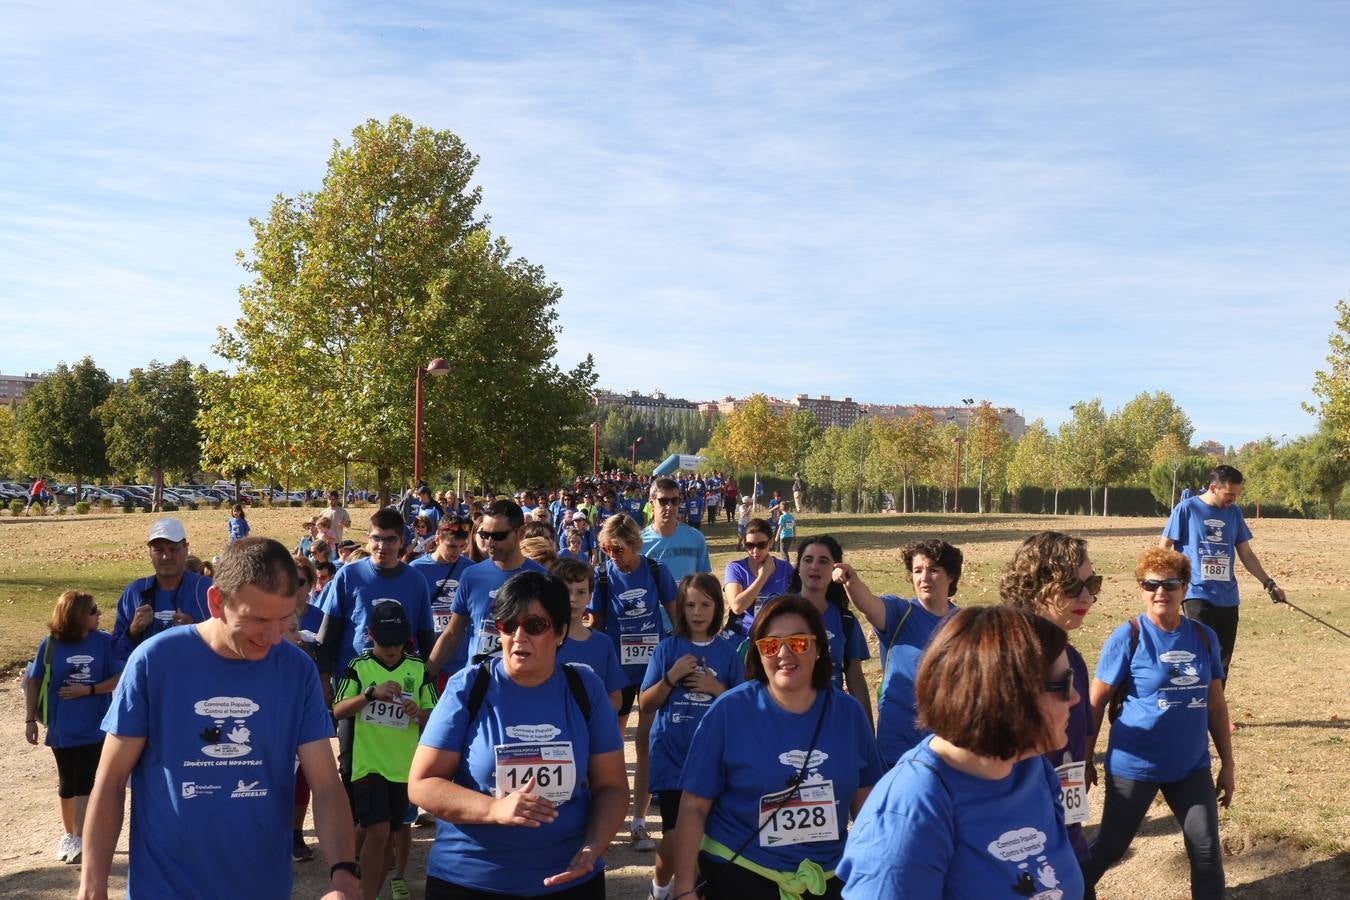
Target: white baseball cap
[166, 530]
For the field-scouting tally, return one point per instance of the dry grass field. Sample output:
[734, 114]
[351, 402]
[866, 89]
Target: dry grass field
[1287, 833]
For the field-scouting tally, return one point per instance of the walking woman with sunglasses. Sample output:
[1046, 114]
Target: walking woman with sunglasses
[751, 582]
[522, 763]
[972, 811]
[775, 771]
[1166, 673]
[1050, 575]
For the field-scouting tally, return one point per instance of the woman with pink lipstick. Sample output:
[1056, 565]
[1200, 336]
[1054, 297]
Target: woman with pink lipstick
[813, 578]
[1050, 575]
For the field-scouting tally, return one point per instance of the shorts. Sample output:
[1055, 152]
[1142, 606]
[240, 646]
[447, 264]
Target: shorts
[669, 804]
[301, 788]
[591, 889]
[377, 800]
[629, 700]
[75, 768]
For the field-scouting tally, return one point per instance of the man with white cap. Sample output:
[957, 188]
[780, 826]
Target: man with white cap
[171, 596]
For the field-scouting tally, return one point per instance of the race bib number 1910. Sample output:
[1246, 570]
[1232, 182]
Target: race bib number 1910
[389, 713]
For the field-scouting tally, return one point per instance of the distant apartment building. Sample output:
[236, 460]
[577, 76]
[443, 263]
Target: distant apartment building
[828, 412]
[13, 387]
[650, 406]
[961, 416]
[728, 405]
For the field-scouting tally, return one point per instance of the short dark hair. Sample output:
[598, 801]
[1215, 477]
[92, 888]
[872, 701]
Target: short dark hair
[980, 680]
[1225, 474]
[573, 570]
[257, 561]
[834, 592]
[822, 674]
[506, 509]
[664, 484]
[325, 566]
[759, 526]
[535, 528]
[521, 589]
[942, 554]
[708, 584]
[387, 519]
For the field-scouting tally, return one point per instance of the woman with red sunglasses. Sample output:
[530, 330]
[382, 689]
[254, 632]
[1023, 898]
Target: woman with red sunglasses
[522, 763]
[777, 768]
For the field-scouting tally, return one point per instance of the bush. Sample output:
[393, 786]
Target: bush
[145, 509]
[215, 504]
[58, 509]
[38, 509]
[16, 507]
[194, 505]
[296, 504]
[106, 504]
[128, 506]
[82, 507]
[318, 504]
[169, 507]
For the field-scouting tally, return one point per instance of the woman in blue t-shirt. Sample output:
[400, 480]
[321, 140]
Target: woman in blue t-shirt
[972, 811]
[80, 669]
[776, 769]
[524, 771]
[1168, 672]
[750, 582]
[813, 578]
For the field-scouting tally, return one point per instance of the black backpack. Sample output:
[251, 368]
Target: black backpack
[481, 677]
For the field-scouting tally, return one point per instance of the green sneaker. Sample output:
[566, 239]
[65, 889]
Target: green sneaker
[398, 889]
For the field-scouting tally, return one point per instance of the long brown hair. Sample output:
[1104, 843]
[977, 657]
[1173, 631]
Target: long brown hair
[70, 615]
[822, 674]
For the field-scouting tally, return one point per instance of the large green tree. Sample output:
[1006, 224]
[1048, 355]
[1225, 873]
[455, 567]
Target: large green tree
[388, 266]
[58, 429]
[988, 443]
[903, 447]
[754, 437]
[9, 456]
[150, 423]
[1332, 384]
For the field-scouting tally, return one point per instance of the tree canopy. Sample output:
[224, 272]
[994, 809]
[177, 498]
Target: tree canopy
[58, 429]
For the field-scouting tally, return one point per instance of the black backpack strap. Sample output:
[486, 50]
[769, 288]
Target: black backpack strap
[578, 689]
[1118, 694]
[850, 623]
[478, 690]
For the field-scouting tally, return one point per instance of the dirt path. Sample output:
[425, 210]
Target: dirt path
[1156, 868]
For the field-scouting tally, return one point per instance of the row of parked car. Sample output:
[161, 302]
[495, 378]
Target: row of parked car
[141, 495]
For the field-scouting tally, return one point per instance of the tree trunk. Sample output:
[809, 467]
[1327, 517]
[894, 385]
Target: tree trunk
[157, 503]
[1106, 494]
[1174, 486]
[382, 485]
[979, 497]
[1092, 500]
[1056, 501]
[904, 495]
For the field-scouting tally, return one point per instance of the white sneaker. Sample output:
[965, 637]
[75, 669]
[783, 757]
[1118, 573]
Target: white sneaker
[76, 850]
[63, 847]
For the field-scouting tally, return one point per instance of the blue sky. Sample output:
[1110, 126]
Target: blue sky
[1034, 203]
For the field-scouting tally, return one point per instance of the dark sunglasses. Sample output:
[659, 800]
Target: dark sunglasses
[94, 611]
[1075, 588]
[1061, 686]
[1168, 584]
[493, 535]
[533, 625]
[668, 501]
[756, 545]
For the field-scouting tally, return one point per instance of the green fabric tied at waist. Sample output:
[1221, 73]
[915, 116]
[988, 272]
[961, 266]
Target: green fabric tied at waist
[809, 878]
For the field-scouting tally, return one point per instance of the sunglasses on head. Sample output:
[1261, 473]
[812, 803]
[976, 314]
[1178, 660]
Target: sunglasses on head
[756, 545]
[1075, 588]
[797, 643]
[1168, 584]
[667, 501]
[533, 625]
[1062, 686]
[455, 527]
[494, 535]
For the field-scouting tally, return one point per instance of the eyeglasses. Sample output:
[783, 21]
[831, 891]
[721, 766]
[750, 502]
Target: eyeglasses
[378, 539]
[756, 545]
[613, 549]
[94, 611]
[533, 625]
[667, 501]
[1168, 584]
[1075, 588]
[494, 535]
[1062, 686]
[797, 643]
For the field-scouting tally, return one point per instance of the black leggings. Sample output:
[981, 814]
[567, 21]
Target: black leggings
[75, 768]
[1224, 621]
[594, 889]
[1195, 806]
[727, 881]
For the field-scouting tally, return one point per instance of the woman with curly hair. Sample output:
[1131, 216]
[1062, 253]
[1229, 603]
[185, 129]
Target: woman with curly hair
[1050, 575]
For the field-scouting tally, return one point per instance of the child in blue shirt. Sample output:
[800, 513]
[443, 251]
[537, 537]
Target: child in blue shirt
[237, 523]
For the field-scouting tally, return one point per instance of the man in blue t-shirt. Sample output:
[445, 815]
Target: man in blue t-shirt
[1212, 532]
[213, 749]
[442, 568]
[684, 550]
[172, 596]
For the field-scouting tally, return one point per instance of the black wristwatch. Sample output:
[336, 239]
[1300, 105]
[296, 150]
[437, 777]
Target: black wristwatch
[370, 694]
[345, 867]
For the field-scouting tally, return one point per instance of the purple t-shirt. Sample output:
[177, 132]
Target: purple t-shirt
[738, 572]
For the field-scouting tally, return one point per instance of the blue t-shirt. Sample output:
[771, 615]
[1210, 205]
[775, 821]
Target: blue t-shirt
[684, 552]
[597, 654]
[588, 541]
[1162, 734]
[312, 619]
[929, 830]
[443, 579]
[846, 644]
[677, 719]
[219, 758]
[355, 590]
[78, 721]
[238, 529]
[748, 747]
[188, 597]
[787, 525]
[478, 586]
[908, 628]
[517, 720]
[631, 605]
[1209, 536]
[738, 572]
[693, 510]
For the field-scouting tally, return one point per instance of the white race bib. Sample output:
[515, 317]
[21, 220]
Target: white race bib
[637, 649]
[389, 713]
[808, 815]
[1073, 784]
[552, 765]
[489, 641]
[440, 618]
[1216, 568]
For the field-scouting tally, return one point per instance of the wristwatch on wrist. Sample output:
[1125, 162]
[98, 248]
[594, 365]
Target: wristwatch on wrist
[370, 694]
[345, 867]
[1268, 583]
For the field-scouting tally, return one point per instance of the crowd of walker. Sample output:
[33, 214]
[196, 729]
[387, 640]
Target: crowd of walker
[481, 679]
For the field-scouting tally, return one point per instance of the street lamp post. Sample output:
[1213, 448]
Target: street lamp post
[956, 492]
[637, 440]
[437, 366]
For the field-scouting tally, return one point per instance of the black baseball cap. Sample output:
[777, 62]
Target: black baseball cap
[389, 624]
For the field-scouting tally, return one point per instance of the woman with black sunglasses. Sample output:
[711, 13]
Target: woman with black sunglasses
[1165, 674]
[751, 582]
[777, 767]
[522, 763]
[1050, 575]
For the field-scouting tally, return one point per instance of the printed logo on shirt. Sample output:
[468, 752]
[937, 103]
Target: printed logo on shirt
[795, 758]
[164, 615]
[1019, 846]
[533, 733]
[247, 789]
[191, 789]
[1183, 675]
[1214, 531]
[634, 604]
[227, 736]
[1197, 703]
[80, 671]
